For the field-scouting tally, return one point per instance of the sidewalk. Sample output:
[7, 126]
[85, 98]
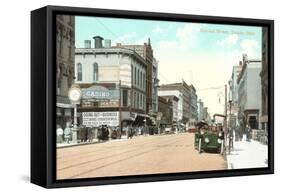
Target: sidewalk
[70, 144]
[247, 155]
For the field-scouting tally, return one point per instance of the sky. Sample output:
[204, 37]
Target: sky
[201, 54]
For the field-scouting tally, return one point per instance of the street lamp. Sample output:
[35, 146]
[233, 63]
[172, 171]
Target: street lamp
[74, 95]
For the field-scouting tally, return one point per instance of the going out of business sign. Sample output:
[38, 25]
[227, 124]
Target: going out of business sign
[96, 119]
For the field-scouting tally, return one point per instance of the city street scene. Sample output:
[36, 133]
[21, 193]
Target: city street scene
[139, 97]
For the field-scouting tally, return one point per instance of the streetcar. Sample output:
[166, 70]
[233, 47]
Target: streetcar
[192, 127]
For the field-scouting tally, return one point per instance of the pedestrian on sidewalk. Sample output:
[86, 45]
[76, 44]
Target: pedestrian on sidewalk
[248, 133]
[130, 133]
[59, 134]
[90, 134]
[67, 132]
[125, 130]
[237, 133]
[231, 144]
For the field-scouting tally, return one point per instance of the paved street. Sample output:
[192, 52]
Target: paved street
[140, 155]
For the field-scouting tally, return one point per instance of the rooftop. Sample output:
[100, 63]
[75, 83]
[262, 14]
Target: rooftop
[112, 50]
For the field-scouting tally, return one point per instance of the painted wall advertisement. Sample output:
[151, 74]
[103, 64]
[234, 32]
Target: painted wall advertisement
[96, 119]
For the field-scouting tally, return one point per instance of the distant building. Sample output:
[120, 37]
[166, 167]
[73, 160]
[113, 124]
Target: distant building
[65, 41]
[182, 91]
[200, 110]
[233, 94]
[264, 80]
[155, 85]
[114, 78]
[165, 106]
[179, 95]
[193, 104]
[174, 101]
[187, 105]
[233, 86]
[205, 113]
[249, 93]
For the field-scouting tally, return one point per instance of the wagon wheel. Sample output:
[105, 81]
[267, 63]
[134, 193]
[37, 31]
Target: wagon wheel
[199, 146]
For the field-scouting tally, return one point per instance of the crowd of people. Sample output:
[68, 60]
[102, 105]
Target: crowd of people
[239, 133]
[103, 132]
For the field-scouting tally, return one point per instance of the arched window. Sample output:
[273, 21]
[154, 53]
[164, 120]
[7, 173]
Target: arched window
[95, 72]
[79, 72]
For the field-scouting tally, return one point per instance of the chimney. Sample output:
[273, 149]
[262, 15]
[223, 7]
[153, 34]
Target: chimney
[98, 41]
[87, 44]
[107, 43]
[240, 63]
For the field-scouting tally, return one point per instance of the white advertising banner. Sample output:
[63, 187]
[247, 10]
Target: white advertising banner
[96, 119]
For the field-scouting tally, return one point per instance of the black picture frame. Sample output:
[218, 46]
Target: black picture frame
[43, 95]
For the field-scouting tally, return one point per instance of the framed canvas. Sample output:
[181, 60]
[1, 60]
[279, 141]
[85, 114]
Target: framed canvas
[127, 96]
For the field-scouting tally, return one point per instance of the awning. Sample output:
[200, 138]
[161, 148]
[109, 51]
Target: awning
[143, 115]
[62, 105]
[140, 115]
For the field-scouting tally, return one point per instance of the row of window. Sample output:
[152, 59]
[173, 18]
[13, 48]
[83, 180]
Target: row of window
[139, 100]
[139, 78]
[95, 72]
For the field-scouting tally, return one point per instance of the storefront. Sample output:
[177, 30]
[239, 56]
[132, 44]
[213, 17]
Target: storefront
[64, 112]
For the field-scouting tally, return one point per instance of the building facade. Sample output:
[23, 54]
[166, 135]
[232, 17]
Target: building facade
[207, 116]
[155, 86]
[114, 78]
[233, 95]
[165, 106]
[177, 94]
[193, 104]
[200, 110]
[174, 101]
[264, 81]
[187, 106]
[65, 47]
[181, 91]
[249, 93]
[146, 52]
